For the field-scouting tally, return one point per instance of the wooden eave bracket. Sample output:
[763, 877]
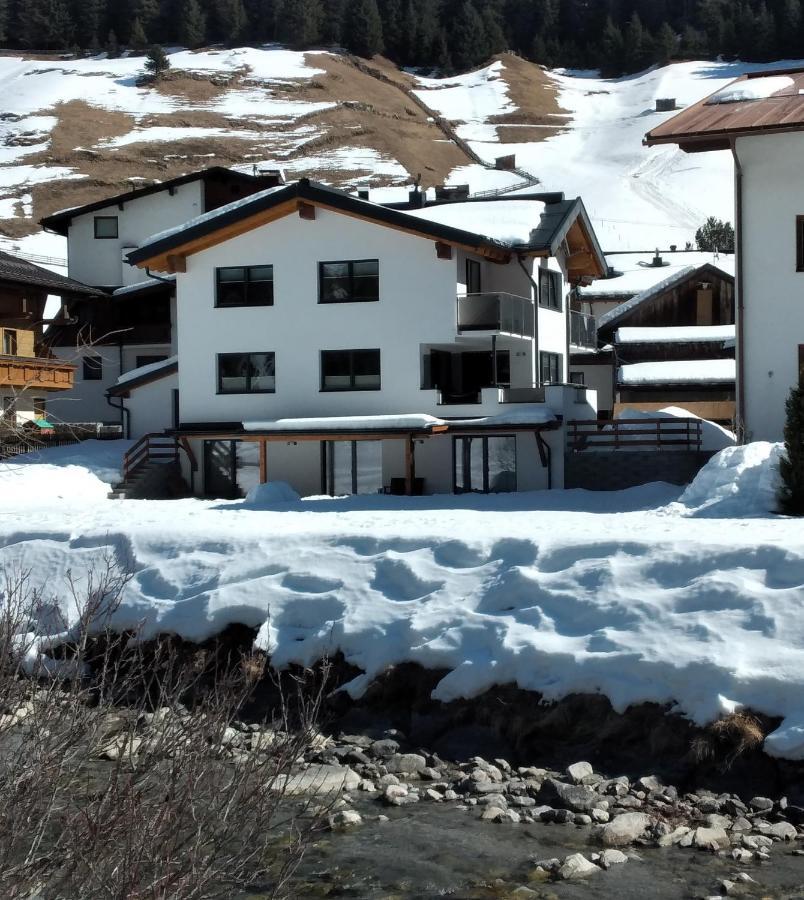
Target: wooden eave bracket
[176, 263]
[306, 210]
[443, 251]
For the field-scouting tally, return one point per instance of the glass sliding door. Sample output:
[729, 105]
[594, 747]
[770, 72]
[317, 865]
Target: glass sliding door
[485, 465]
[353, 467]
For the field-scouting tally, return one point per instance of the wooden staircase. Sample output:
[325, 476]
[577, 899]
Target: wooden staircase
[148, 467]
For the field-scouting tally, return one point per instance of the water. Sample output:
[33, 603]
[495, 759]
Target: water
[433, 851]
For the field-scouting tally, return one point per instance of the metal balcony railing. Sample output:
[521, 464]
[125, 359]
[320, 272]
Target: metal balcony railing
[496, 312]
[583, 330]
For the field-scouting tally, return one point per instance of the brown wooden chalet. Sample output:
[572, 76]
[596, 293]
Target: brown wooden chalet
[671, 345]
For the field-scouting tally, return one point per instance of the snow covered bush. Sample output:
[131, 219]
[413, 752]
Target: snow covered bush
[130, 775]
[791, 465]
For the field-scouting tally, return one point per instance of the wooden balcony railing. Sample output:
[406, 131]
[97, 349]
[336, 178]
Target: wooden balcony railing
[36, 372]
[634, 434]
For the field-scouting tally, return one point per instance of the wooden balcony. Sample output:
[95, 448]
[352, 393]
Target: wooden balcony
[36, 373]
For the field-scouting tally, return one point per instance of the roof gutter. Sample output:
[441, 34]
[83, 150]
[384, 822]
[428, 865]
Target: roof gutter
[739, 293]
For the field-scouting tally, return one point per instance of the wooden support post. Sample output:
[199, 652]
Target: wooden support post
[263, 461]
[410, 465]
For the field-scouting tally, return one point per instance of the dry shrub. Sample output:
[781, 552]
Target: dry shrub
[728, 738]
[126, 773]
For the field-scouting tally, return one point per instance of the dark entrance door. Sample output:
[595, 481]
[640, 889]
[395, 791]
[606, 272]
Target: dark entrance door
[220, 470]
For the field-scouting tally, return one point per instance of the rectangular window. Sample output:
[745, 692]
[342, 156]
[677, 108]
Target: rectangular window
[356, 281]
[244, 286]
[550, 289]
[350, 370]
[484, 465]
[105, 227]
[800, 243]
[149, 360]
[93, 368]
[246, 373]
[577, 378]
[473, 280]
[40, 408]
[551, 366]
[9, 342]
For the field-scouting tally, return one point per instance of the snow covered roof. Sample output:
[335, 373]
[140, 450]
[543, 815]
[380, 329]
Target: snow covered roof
[634, 272]
[509, 221]
[148, 285]
[533, 224]
[675, 334]
[696, 371]
[758, 101]
[526, 414]
[144, 374]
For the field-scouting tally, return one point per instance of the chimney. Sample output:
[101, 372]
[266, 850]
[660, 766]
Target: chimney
[362, 193]
[665, 104]
[658, 262]
[673, 248]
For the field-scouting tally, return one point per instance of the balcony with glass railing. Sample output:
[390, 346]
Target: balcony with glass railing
[496, 313]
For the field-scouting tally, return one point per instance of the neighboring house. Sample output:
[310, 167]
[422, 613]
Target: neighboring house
[348, 347]
[29, 376]
[760, 119]
[669, 344]
[134, 324]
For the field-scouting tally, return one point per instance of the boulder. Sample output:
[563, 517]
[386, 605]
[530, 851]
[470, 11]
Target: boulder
[319, 779]
[345, 818]
[761, 804]
[576, 866]
[611, 857]
[578, 771]
[411, 763]
[782, 831]
[624, 829]
[712, 839]
[674, 837]
[575, 797]
[385, 748]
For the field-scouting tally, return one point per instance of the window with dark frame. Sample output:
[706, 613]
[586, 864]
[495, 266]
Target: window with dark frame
[40, 407]
[473, 277]
[577, 378]
[246, 373]
[351, 281]
[350, 370]
[244, 286]
[93, 368]
[550, 289]
[800, 243]
[106, 227]
[9, 342]
[484, 464]
[550, 367]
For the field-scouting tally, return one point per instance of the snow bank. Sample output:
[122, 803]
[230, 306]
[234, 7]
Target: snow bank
[713, 436]
[270, 495]
[558, 592]
[739, 481]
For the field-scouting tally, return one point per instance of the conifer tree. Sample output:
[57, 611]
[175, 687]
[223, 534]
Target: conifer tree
[112, 45]
[666, 44]
[3, 21]
[193, 25]
[87, 17]
[764, 34]
[791, 465]
[230, 20]
[137, 37]
[612, 49]
[46, 25]
[495, 37]
[391, 15]
[362, 29]
[298, 22]
[469, 44]
[441, 55]
[157, 63]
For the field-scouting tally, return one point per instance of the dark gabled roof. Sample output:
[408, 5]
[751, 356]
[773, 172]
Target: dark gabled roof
[711, 123]
[555, 221]
[60, 221]
[610, 321]
[19, 271]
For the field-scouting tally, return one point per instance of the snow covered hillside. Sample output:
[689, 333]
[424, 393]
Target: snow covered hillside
[640, 595]
[73, 131]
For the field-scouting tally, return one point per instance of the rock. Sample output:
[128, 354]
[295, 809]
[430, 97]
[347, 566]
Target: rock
[582, 819]
[741, 855]
[782, 831]
[523, 802]
[624, 829]
[428, 773]
[492, 814]
[356, 740]
[450, 795]
[545, 813]
[674, 837]
[123, 746]
[384, 749]
[578, 771]
[524, 891]
[610, 857]
[493, 800]
[563, 817]
[761, 804]
[382, 819]
[756, 842]
[388, 779]
[433, 795]
[539, 874]
[715, 820]
[366, 785]
[578, 798]
[712, 839]
[600, 816]
[576, 866]
[503, 765]
[649, 783]
[319, 779]
[406, 762]
[346, 818]
[741, 824]
[394, 793]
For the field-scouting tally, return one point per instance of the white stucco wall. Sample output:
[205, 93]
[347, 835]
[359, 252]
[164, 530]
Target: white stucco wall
[151, 406]
[99, 261]
[773, 291]
[600, 379]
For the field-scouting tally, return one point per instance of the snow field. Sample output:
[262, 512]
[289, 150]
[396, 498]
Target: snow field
[628, 594]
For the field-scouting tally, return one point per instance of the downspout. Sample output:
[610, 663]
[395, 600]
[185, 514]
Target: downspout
[150, 274]
[125, 415]
[739, 293]
[544, 448]
[536, 364]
